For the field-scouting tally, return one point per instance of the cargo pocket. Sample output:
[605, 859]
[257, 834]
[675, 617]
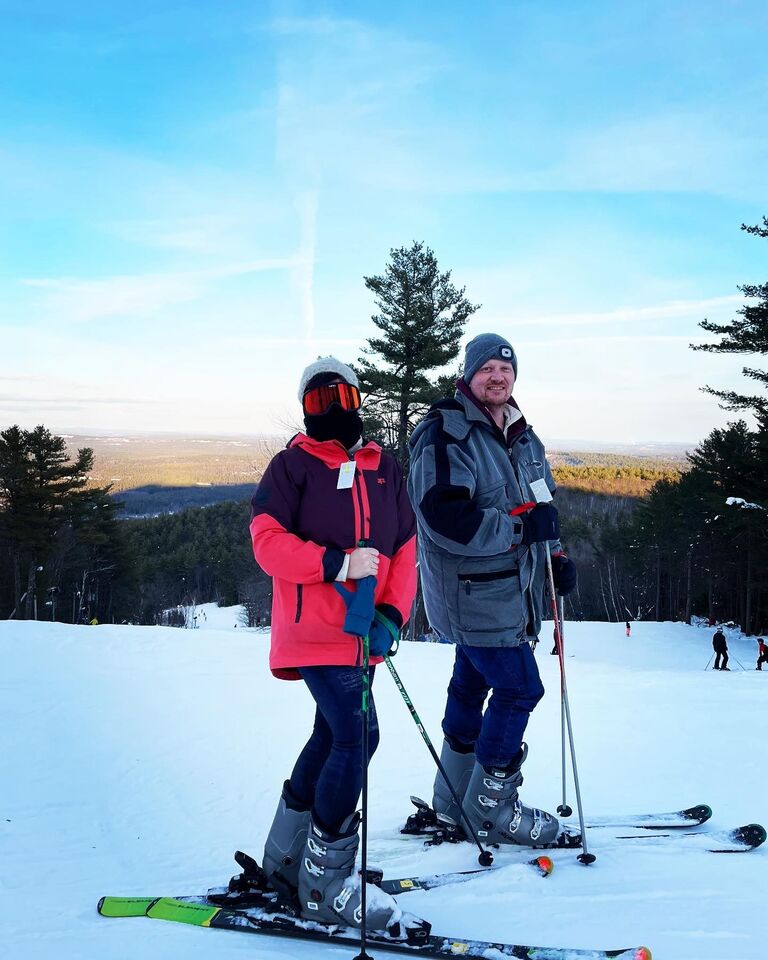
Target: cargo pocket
[489, 600]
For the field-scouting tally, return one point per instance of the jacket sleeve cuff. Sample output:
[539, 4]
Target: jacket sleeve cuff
[517, 532]
[344, 572]
[391, 613]
[333, 563]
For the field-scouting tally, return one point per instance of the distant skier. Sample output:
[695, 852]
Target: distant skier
[762, 653]
[477, 473]
[318, 500]
[720, 647]
[628, 628]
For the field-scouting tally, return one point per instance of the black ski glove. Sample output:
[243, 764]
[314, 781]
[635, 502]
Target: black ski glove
[563, 573]
[540, 524]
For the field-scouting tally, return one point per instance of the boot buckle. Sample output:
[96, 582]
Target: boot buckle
[312, 868]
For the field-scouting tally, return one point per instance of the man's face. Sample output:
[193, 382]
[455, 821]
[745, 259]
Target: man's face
[492, 384]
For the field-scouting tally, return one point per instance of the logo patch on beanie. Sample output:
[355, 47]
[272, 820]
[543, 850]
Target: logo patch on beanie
[505, 352]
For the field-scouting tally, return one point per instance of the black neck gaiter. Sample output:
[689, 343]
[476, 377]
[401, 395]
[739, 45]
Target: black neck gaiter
[346, 426]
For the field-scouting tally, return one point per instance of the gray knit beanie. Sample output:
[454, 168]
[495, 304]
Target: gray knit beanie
[487, 346]
[327, 365]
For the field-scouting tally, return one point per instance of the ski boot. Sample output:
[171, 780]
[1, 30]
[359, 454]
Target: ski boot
[330, 887]
[285, 843]
[458, 767]
[497, 814]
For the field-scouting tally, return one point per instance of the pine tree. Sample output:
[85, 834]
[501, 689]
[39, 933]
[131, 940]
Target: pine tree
[747, 334]
[421, 318]
[47, 517]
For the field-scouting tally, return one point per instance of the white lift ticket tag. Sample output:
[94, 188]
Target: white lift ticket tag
[541, 491]
[346, 475]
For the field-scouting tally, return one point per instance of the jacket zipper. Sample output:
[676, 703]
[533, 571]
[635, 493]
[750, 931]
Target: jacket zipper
[299, 598]
[364, 521]
[467, 579]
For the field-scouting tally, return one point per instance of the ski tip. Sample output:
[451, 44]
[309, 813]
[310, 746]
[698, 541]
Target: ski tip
[700, 813]
[752, 834]
[124, 906]
[544, 865]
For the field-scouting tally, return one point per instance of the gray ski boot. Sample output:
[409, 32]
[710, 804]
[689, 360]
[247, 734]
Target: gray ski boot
[496, 812]
[285, 842]
[458, 766]
[330, 888]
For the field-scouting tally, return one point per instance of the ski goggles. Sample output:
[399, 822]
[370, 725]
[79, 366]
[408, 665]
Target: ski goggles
[319, 399]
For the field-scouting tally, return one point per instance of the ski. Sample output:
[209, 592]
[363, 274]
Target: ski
[676, 820]
[740, 840]
[426, 822]
[542, 865]
[279, 924]
[243, 893]
[429, 825]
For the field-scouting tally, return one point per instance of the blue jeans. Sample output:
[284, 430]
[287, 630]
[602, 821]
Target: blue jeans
[328, 776]
[513, 677]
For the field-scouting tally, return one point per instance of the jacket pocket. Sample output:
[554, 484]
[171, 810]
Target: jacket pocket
[299, 601]
[490, 601]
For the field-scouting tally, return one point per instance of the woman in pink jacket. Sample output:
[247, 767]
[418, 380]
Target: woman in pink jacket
[330, 511]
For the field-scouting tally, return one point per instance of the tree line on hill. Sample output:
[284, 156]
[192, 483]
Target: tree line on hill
[649, 543]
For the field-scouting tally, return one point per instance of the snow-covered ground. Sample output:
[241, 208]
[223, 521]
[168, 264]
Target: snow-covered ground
[135, 760]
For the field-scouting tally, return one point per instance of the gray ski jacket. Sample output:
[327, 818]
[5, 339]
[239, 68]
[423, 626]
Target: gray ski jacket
[481, 586]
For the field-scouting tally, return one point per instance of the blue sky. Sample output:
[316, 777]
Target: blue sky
[192, 193]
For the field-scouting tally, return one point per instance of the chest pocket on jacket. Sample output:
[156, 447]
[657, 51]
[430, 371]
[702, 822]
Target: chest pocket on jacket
[493, 496]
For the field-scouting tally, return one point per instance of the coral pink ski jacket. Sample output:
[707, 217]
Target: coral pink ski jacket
[301, 527]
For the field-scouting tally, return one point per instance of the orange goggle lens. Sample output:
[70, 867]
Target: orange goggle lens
[320, 399]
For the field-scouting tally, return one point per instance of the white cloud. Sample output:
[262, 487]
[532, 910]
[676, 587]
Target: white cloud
[139, 296]
[661, 311]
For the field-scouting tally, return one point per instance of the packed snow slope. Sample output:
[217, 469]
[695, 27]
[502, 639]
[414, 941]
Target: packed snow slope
[136, 760]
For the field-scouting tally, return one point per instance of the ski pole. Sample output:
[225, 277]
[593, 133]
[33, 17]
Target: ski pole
[586, 857]
[708, 662]
[543, 495]
[564, 810]
[366, 684]
[486, 857]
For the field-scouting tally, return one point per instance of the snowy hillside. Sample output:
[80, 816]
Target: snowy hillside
[136, 760]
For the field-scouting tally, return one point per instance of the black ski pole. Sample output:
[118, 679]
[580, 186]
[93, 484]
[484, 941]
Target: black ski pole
[366, 679]
[708, 662]
[564, 809]
[486, 857]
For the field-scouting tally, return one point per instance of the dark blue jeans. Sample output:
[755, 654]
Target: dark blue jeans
[511, 673]
[328, 776]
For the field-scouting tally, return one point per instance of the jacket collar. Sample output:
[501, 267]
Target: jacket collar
[333, 454]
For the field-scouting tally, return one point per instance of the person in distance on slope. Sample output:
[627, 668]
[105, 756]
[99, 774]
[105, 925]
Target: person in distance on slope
[627, 627]
[720, 647]
[762, 653]
[328, 492]
[475, 462]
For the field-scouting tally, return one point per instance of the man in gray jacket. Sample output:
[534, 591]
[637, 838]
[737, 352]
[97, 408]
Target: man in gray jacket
[480, 485]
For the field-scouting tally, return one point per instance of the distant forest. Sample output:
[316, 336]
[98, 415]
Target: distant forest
[651, 540]
[66, 554]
